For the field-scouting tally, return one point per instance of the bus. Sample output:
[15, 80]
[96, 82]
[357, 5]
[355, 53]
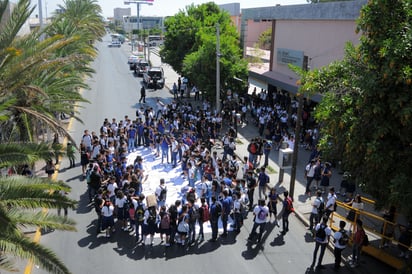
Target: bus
[155, 40]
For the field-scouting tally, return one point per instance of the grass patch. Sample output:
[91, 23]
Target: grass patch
[270, 169]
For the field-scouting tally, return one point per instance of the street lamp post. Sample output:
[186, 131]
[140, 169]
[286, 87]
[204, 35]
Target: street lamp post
[217, 68]
[138, 3]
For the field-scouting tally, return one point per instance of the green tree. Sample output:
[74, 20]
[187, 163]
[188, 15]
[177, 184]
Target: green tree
[23, 204]
[367, 104]
[190, 48]
[265, 39]
[41, 78]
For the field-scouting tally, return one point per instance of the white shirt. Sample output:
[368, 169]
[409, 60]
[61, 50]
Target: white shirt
[328, 232]
[316, 204]
[107, 211]
[310, 170]
[120, 202]
[337, 236]
[256, 211]
[111, 189]
[87, 140]
[331, 201]
[159, 189]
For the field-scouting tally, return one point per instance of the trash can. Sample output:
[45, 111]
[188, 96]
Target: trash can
[238, 119]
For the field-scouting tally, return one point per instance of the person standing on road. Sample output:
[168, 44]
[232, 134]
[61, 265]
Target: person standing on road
[161, 193]
[286, 210]
[357, 243]
[322, 234]
[215, 210]
[142, 95]
[175, 94]
[317, 210]
[261, 212]
[263, 183]
[227, 202]
[340, 238]
[179, 87]
[251, 185]
[267, 147]
[108, 219]
[309, 175]
[330, 204]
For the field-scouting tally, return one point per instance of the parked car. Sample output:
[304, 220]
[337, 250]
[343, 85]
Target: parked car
[115, 44]
[154, 78]
[142, 67]
[133, 59]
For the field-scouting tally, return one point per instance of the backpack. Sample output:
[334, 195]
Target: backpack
[205, 213]
[321, 233]
[165, 222]
[344, 238]
[151, 220]
[262, 215]
[139, 212]
[162, 195]
[321, 207]
[218, 209]
[289, 206]
[194, 213]
[252, 148]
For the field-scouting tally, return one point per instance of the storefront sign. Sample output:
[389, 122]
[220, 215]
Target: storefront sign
[288, 56]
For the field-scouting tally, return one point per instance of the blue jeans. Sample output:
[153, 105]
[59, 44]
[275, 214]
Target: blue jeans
[174, 158]
[131, 144]
[165, 153]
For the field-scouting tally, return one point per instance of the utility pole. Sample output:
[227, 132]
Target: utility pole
[298, 128]
[217, 68]
[41, 25]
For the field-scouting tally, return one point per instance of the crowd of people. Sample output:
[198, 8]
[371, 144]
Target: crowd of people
[218, 188]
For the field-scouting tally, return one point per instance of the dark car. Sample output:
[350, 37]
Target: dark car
[154, 78]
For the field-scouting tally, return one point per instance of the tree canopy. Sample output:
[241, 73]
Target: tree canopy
[190, 48]
[365, 114]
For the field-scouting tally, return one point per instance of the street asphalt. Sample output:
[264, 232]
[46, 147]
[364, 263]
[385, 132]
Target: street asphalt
[111, 95]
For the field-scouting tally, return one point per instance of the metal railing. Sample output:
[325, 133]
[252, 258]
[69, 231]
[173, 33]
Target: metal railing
[378, 229]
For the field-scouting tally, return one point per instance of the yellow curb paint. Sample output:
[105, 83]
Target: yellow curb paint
[37, 234]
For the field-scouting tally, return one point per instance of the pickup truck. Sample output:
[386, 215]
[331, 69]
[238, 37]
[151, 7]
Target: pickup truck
[154, 78]
[138, 65]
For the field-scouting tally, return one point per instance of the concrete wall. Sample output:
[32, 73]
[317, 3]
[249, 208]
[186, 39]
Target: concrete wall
[323, 41]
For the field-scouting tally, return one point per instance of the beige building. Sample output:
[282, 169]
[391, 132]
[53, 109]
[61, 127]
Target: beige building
[309, 36]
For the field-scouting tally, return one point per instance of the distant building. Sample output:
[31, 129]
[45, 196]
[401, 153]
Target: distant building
[25, 29]
[308, 36]
[146, 22]
[119, 13]
[234, 10]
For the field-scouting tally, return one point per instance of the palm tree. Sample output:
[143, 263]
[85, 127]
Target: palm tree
[41, 79]
[21, 203]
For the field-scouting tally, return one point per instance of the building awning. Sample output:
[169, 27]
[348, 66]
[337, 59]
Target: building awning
[281, 81]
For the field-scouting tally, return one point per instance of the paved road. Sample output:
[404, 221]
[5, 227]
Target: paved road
[114, 93]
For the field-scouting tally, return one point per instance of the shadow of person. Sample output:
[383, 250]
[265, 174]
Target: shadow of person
[309, 237]
[253, 247]
[278, 240]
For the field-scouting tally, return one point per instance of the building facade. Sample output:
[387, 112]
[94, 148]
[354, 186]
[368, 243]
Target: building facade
[146, 22]
[309, 36]
[119, 13]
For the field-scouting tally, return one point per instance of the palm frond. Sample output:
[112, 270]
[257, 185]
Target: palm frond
[24, 248]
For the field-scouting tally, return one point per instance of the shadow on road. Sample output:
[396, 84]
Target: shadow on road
[253, 248]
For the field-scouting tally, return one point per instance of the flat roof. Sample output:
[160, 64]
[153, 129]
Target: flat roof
[344, 10]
